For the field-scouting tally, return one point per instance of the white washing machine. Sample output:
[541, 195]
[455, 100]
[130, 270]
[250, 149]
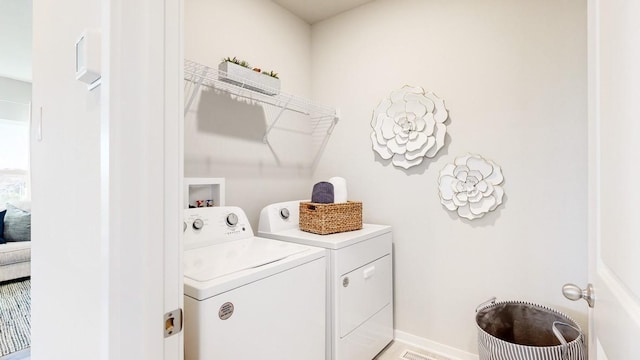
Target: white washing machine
[359, 281]
[248, 297]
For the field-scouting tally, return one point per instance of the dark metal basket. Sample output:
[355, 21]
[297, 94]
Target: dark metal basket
[516, 330]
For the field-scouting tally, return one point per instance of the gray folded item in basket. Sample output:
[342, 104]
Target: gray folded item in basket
[322, 193]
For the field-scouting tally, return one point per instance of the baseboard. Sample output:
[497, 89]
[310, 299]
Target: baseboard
[432, 346]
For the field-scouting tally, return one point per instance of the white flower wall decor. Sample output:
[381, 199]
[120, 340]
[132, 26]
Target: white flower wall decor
[472, 186]
[409, 126]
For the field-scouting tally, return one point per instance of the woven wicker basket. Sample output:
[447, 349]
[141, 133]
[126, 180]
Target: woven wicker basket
[330, 218]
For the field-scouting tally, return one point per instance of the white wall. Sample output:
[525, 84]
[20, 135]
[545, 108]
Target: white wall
[15, 42]
[513, 76]
[15, 90]
[223, 137]
[15, 96]
[66, 248]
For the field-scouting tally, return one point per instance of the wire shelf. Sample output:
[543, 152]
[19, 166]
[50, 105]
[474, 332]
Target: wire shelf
[322, 118]
[214, 78]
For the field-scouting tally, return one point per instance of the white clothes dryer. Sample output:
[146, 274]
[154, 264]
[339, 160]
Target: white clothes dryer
[359, 281]
[248, 297]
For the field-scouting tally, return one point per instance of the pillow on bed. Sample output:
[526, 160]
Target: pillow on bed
[2, 214]
[17, 224]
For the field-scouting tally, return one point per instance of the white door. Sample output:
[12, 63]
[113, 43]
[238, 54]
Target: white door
[107, 182]
[614, 175]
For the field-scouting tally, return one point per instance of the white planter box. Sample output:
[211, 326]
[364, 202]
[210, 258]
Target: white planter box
[247, 78]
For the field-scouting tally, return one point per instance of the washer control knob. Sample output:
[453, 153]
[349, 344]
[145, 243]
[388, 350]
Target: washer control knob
[232, 219]
[284, 213]
[198, 224]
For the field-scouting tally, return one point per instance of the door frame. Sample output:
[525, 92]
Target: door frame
[142, 165]
[616, 317]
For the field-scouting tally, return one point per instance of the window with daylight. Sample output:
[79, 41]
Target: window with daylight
[14, 157]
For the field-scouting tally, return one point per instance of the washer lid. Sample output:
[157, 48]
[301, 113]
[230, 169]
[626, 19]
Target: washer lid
[209, 262]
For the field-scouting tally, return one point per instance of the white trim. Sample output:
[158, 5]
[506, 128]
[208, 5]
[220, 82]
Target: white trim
[593, 152]
[173, 168]
[433, 346]
[142, 171]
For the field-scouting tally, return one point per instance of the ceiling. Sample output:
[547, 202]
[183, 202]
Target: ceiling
[313, 11]
[15, 28]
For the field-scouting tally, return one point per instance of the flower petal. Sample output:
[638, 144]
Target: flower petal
[421, 124]
[396, 148]
[462, 160]
[475, 174]
[413, 106]
[388, 128]
[482, 186]
[397, 96]
[429, 124]
[381, 149]
[481, 165]
[428, 103]
[420, 153]
[498, 194]
[496, 176]
[396, 108]
[461, 172]
[440, 132]
[401, 140]
[377, 127]
[474, 195]
[490, 189]
[466, 213]
[446, 187]
[447, 170]
[401, 161]
[417, 143]
[440, 114]
[482, 206]
[381, 109]
[449, 204]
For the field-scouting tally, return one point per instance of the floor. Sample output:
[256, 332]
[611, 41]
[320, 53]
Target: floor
[396, 350]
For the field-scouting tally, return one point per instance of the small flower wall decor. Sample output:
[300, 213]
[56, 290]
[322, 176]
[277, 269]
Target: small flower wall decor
[409, 126]
[472, 186]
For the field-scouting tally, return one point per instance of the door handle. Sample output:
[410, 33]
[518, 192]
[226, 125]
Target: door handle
[574, 292]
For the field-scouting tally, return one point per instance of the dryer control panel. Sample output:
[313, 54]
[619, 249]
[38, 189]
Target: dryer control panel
[214, 225]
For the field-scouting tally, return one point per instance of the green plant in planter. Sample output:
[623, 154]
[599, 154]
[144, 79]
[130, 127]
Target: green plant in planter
[271, 73]
[237, 62]
[243, 63]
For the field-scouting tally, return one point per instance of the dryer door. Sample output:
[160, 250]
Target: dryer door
[363, 292]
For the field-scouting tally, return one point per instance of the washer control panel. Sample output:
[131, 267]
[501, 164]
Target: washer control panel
[214, 225]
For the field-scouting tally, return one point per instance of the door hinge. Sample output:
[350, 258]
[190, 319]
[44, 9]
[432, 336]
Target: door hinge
[172, 323]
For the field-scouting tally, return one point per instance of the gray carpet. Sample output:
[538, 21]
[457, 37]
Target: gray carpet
[15, 316]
